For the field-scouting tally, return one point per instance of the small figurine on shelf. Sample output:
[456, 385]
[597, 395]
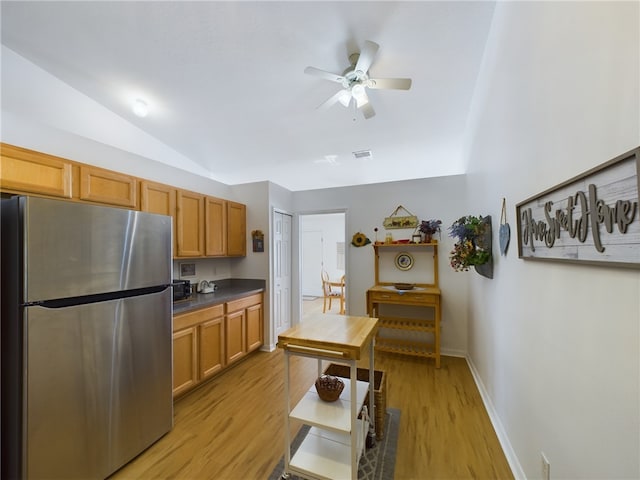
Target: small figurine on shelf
[429, 228]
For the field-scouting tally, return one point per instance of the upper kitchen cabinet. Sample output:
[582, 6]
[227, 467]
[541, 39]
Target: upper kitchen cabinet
[107, 187]
[209, 226]
[190, 216]
[236, 229]
[203, 226]
[24, 171]
[161, 199]
[215, 227]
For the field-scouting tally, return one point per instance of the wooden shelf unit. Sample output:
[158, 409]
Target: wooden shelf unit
[333, 445]
[425, 295]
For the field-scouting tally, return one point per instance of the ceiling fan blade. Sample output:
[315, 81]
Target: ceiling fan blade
[367, 55]
[390, 83]
[333, 100]
[316, 72]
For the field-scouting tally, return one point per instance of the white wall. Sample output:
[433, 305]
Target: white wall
[261, 198]
[443, 198]
[556, 346]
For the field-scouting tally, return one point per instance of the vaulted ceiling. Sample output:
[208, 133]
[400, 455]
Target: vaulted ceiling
[226, 87]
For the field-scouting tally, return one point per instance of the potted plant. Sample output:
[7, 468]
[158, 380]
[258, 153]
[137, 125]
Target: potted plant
[429, 228]
[470, 249]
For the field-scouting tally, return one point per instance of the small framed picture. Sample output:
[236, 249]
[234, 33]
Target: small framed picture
[258, 240]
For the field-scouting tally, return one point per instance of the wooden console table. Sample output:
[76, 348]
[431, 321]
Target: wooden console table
[422, 295]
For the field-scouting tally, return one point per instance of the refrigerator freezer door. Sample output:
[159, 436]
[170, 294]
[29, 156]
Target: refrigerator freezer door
[98, 386]
[74, 249]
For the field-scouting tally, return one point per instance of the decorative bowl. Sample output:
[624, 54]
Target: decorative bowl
[404, 286]
[403, 241]
[329, 387]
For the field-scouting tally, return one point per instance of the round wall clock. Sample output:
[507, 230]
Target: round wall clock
[404, 261]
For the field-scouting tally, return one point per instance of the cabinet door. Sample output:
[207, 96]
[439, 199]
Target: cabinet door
[31, 172]
[190, 224]
[254, 327]
[159, 198]
[185, 360]
[111, 188]
[236, 229]
[212, 358]
[215, 227]
[235, 336]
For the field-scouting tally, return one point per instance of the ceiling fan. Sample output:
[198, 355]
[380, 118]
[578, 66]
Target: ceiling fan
[355, 80]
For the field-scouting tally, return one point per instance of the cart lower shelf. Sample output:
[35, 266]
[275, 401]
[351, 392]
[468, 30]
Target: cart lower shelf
[324, 454]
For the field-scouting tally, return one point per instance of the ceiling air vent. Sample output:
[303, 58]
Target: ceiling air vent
[364, 154]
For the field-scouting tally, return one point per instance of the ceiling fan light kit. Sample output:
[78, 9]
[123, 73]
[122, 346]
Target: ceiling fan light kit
[355, 80]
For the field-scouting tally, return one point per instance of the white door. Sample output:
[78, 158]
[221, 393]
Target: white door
[282, 271]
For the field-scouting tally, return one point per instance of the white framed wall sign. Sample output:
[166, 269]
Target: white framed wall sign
[592, 218]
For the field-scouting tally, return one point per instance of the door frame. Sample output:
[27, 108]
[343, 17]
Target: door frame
[297, 272]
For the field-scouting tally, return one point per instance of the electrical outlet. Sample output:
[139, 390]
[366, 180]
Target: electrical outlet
[546, 467]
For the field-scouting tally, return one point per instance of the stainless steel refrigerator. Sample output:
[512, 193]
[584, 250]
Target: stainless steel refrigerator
[86, 337]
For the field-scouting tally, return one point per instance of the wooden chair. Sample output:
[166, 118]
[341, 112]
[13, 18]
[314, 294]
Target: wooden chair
[331, 291]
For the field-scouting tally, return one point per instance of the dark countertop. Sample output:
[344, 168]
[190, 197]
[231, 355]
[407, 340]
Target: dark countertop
[228, 289]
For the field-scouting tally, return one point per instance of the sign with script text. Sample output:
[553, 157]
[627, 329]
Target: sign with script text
[592, 218]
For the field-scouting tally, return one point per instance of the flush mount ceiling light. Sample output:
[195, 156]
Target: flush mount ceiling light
[140, 108]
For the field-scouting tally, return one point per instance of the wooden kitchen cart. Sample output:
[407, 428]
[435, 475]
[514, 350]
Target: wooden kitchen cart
[422, 295]
[336, 440]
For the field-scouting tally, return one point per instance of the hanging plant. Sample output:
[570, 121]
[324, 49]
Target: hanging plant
[360, 240]
[469, 250]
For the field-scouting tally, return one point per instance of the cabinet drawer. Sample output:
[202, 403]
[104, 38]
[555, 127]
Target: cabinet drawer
[243, 303]
[189, 319]
[409, 298]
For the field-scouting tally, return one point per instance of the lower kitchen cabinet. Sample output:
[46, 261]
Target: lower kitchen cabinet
[208, 340]
[185, 360]
[212, 358]
[236, 347]
[244, 326]
[198, 347]
[255, 328]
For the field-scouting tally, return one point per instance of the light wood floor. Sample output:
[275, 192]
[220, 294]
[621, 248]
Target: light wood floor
[231, 428]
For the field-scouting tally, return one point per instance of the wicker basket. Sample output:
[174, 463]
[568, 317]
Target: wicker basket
[329, 387]
[379, 390]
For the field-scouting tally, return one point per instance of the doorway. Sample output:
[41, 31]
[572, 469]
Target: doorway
[322, 247]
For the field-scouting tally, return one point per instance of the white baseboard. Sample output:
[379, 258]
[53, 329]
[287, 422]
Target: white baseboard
[514, 464]
[453, 353]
